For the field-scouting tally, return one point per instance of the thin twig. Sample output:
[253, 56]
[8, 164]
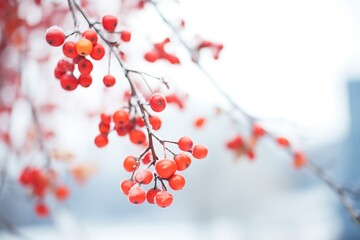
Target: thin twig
[312, 167]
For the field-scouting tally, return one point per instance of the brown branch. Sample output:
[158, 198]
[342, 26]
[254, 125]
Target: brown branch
[339, 190]
[134, 92]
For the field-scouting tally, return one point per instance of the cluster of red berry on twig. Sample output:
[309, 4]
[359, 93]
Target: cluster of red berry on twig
[246, 146]
[136, 119]
[39, 182]
[78, 51]
[164, 170]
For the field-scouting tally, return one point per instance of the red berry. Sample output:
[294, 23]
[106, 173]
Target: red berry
[85, 66]
[97, 52]
[137, 136]
[283, 142]
[109, 22]
[258, 131]
[152, 56]
[85, 80]
[59, 72]
[177, 182]
[140, 122]
[155, 122]
[91, 35]
[125, 186]
[68, 82]
[157, 102]
[104, 128]
[163, 199]
[147, 158]
[235, 143]
[121, 131]
[251, 154]
[69, 49]
[121, 117]
[130, 164]
[55, 36]
[101, 140]
[62, 192]
[41, 209]
[105, 118]
[26, 176]
[150, 195]
[299, 160]
[125, 36]
[165, 168]
[109, 80]
[199, 122]
[66, 65]
[144, 176]
[199, 151]
[77, 59]
[185, 144]
[182, 161]
[137, 195]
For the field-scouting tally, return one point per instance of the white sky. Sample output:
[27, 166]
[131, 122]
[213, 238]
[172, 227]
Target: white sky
[285, 59]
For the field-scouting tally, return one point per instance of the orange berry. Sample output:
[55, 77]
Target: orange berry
[125, 186]
[299, 160]
[136, 195]
[130, 163]
[283, 142]
[144, 176]
[62, 192]
[182, 161]
[199, 151]
[137, 136]
[185, 144]
[150, 195]
[199, 122]
[121, 117]
[165, 168]
[84, 47]
[177, 182]
[163, 199]
[101, 140]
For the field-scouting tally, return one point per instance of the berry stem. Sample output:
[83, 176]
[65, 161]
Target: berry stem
[162, 183]
[76, 24]
[134, 93]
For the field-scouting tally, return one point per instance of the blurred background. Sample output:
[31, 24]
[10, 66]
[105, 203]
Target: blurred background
[294, 64]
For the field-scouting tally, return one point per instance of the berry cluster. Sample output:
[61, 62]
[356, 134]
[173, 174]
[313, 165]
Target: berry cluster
[78, 53]
[159, 52]
[127, 122]
[40, 182]
[135, 120]
[246, 147]
[216, 48]
[165, 169]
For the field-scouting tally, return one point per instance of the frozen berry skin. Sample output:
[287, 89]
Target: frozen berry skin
[163, 199]
[55, 36]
